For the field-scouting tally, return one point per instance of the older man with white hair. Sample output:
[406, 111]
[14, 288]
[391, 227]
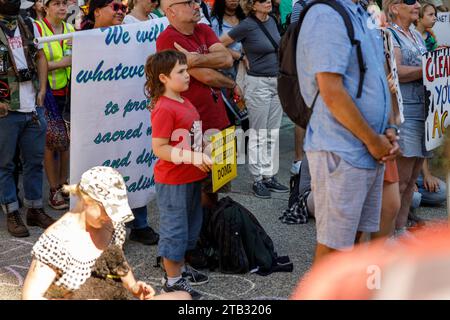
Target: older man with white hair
[205, 56]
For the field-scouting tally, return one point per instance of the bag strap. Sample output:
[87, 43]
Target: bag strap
[350, 31]
[28, 46]
[266, 32]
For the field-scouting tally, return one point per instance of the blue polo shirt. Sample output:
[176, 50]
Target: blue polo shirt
[324, 46]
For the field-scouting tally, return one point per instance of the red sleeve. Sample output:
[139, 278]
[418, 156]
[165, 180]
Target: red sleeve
[165, 40]
[210, 36]
[38, 27]
[163, 122]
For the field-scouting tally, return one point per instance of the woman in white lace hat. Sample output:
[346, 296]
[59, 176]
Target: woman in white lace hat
[64, 255]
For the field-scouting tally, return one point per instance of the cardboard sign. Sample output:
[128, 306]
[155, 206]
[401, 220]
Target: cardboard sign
[436, 80]
[224, 158]
[391, 66]
[442, 29]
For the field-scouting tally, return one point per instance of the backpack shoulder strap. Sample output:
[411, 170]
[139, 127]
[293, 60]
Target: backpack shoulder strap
[395, 35]
[266, 32]
[350, 31]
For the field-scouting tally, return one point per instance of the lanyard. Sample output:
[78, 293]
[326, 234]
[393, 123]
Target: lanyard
[416, 43]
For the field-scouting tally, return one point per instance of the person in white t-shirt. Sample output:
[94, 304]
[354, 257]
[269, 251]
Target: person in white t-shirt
[23, 80]
[141, 10]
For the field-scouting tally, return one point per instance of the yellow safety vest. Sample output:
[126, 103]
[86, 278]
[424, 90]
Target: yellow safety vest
[54, 51]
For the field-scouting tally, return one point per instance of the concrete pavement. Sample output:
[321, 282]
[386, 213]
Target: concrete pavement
[296, 241]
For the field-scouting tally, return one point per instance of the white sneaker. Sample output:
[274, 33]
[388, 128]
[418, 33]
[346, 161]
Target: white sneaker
[404, 234]
[295, 168]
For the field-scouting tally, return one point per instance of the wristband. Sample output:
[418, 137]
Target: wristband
[393, 126]
[241, 57]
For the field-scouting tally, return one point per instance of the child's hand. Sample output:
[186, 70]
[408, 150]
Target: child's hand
[205, 164]
[391, 82]
[142, 290]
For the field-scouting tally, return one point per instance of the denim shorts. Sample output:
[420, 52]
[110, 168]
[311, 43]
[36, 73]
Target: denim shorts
[181, 217]
[412, 139]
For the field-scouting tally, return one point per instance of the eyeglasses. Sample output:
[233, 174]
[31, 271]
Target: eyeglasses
[409, 2]
[262, 1]
[116, 6]
[190, 2]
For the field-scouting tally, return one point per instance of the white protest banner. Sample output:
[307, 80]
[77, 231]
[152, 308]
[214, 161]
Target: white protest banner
[110, 123]
[442, 29]
[436, 78]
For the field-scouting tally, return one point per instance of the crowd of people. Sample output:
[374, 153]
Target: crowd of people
[362, 170]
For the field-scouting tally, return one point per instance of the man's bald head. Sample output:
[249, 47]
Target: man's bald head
[165, 4]
[181, 12]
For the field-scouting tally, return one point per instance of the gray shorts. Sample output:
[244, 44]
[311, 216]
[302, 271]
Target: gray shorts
[346, 199]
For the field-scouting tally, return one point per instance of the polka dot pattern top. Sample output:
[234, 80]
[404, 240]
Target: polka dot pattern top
[71, 272]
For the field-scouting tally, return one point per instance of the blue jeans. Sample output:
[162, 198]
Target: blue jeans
[140, 218]
[429, 198]
[181, 216]
[19, 128]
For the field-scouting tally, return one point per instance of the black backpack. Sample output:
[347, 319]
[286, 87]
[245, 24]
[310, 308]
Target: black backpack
[288, 86]
[235, 241]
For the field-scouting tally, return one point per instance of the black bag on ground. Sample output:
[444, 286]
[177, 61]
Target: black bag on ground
[235, 241]
[288, 86]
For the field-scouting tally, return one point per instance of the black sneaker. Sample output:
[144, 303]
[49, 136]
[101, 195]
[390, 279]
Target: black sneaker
[145, 236]
[273, 185]
[194, 277]
[181, 285]
[260, 190]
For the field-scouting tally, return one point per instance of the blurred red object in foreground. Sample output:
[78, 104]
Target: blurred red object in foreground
[414, 268]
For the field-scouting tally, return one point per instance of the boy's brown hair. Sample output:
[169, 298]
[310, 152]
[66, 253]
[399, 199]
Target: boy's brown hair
[160, 63]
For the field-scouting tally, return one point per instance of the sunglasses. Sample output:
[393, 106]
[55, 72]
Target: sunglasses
[190, 2]
[116, 6]
[262, 1]
[409, 2]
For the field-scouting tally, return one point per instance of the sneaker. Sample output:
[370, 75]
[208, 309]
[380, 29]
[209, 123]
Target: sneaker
[145, 236]
[416, 220]
[404, 234]
[181, 285]
[295, 168]
[273, 185]
[194, 277]
[36, 217]
[16, 227]
[65, 195]
[56, 200]
[260, 190]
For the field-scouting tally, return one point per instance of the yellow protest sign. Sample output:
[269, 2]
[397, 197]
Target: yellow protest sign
[224, 158]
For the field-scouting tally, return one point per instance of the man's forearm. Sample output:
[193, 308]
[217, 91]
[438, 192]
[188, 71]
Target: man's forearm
[212, 78]
[214, 60]
[409, 73]
[394, 117]
[42, 69]
[344, 110]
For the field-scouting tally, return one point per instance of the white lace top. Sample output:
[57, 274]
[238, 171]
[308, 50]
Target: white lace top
[72, 272]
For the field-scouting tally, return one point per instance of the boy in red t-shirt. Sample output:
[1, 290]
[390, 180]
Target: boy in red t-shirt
[177, 142]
